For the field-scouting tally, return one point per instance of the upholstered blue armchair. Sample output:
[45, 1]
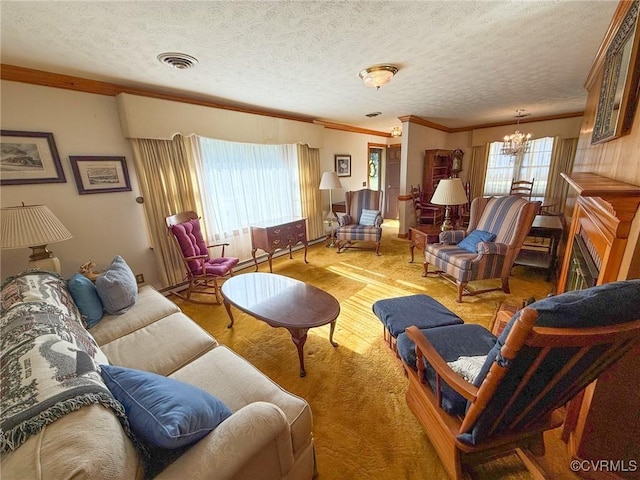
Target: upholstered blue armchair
[487, 249]
[362, 222]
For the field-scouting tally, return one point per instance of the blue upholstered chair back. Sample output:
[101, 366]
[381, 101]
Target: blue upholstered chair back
[362, 199]
[561, 372]
[500, 216]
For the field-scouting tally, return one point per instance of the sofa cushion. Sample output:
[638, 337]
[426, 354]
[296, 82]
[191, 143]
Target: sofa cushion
[88, 443]
[164, 412]
[161, 347]
[117, 287]
[470, 242]
[86, 296]
[237, 383]
[150, 306]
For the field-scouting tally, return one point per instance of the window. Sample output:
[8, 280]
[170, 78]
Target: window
[534, 164]
[244, 184]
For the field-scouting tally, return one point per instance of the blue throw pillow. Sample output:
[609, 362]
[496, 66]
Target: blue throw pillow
[164, 412]
[470, 242]
[85, 296]
[117, 287]
[368, 217]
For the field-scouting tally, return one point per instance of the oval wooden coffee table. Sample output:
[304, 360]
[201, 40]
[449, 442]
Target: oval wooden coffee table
[281, 301]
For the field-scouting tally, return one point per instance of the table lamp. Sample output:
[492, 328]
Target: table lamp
[449, 191]
[330, 181]
[33, 226]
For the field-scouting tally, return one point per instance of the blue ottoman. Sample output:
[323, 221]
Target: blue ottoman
[398, 313]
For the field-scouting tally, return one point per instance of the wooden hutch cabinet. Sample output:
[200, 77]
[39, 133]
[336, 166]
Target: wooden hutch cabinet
[437, 165]
[603, 422]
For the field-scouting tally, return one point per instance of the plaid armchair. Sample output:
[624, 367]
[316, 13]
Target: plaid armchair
[363, 220]
[507, 219]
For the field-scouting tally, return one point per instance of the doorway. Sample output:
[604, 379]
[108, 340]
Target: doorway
[392, 182]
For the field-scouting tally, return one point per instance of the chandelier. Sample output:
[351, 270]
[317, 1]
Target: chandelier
[517, 143]
[378, 75]
[396, 132]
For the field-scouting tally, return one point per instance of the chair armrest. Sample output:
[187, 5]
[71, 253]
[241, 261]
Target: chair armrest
[378, 221]
[257, 431]
[218, 245]
[485, 248]
[345, 220]
[425, 351]
[451, 237]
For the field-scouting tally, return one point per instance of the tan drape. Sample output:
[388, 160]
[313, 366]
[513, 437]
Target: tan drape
[562, 157]
[310, 195]
[478, 170]
[165, 171]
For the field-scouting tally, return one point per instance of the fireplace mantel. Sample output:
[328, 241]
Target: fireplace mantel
[602, 216]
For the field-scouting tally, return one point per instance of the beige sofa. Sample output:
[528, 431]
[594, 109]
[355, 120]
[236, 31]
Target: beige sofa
[268, 436]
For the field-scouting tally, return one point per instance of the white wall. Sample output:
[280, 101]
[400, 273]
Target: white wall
[103, 225]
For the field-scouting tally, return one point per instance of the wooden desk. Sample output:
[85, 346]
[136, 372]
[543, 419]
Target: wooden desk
[421, 235]
[276, 235]
[544, 226]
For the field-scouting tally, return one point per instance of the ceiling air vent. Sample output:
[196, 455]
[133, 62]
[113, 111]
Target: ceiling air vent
[373, 114]
[181, 61]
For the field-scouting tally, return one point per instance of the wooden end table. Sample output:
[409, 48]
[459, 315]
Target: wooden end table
[421, 235]
[281, 301]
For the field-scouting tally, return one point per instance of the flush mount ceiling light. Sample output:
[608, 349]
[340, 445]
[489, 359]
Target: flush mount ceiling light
[396, 132]
[378, 75]
[181, 61]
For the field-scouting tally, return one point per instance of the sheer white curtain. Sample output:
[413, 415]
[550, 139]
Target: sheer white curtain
[243, 184]
[535, 164]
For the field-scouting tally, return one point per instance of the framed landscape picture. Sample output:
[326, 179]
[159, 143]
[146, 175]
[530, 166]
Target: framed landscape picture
[29, 157]
[100, 174]
[343, 165]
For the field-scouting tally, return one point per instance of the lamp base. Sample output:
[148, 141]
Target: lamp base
[43, 259]
[447, 224]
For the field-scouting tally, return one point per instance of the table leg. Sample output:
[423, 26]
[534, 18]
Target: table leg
[333, 327]
[227, 306]
[305, 252]
[299, 338]
[253, 254]
[270, 263]
[411, 247]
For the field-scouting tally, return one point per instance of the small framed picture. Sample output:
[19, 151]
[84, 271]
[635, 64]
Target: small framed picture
[100, 174]
[343, 165]
[29, 157]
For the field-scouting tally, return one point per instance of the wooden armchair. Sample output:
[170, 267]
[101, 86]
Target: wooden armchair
[203, 270]
[426, 213]
[548, 353]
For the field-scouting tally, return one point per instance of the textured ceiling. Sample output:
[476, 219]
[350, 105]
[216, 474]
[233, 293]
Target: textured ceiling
[461, 62]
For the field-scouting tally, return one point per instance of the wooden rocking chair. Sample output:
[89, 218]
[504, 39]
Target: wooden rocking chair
[203, 271]
[548, 353]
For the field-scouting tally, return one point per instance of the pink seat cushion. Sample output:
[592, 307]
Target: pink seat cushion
[189, 236]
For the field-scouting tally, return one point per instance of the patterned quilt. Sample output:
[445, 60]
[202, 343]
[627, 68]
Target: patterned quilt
[49, 363]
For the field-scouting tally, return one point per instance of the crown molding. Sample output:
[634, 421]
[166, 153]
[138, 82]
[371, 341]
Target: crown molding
[56, 80]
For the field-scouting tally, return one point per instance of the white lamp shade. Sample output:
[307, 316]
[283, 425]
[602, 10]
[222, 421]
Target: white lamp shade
[330, 181]
[449, 191]
[30, 226]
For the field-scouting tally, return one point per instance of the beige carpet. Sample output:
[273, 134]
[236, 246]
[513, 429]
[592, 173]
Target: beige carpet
[362, 426]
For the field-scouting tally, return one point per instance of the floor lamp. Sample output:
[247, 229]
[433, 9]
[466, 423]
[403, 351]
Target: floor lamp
[449, 191]
[330, 181]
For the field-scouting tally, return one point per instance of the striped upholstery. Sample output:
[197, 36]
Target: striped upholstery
[349, 230]
[509, 218]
